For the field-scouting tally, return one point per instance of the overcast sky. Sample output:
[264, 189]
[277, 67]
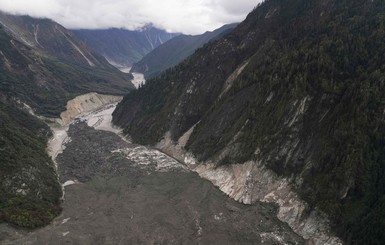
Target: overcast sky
[187, 16]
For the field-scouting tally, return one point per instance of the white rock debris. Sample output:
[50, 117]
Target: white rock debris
[138, 80]
[68, 183]
[144, 156]
[86, 103]
[252, 181]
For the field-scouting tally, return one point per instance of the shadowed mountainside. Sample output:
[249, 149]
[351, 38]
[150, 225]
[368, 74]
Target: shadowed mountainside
[297, 87]
[41, 67]
[176, 50]
[124, 47]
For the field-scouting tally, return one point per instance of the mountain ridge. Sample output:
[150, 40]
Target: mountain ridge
[50, 38]
[297, 87]
[42, 66]
[123, 46]
[56, 61]
[175, 50]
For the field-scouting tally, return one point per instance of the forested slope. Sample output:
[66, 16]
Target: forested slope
[306, 99]
[41, 67]
[176, 50]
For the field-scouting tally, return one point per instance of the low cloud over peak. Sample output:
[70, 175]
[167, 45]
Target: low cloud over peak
[186, 16]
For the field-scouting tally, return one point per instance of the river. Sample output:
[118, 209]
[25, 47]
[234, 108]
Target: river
[138, 77]
[117, 192]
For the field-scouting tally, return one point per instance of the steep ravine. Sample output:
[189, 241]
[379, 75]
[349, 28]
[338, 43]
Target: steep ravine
[117, 192]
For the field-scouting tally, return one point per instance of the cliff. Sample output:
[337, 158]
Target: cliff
[86, 103]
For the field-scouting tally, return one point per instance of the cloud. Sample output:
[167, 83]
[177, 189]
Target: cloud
[187, 16]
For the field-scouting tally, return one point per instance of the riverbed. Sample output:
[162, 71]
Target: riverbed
[138, 77]
[117, 192]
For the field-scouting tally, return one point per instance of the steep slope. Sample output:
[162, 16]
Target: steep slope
[50, 38]
[40, 69]
[175, 50]
[48, 69]
[121, 46]
[29, 190]
[295, 93]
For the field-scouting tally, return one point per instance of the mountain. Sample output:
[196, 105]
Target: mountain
[175, 50]
[50, 38]
[122, 46]
[292, 99]
[42, 66]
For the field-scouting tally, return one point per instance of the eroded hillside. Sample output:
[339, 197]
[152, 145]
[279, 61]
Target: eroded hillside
[296, 89]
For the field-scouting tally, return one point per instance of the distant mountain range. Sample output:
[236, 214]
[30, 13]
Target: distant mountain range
[175, 50]
[45, 65]
[51, 39]
[122, 46]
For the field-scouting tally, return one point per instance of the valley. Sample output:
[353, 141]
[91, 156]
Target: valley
[117, 192]
[267, 131]
[138, 78]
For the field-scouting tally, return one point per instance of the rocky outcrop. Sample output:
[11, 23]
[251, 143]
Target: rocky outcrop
[86, 103]
[251, 182]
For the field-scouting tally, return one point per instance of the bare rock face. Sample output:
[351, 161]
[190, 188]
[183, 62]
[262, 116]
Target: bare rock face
[251, 182]
[86, 103]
